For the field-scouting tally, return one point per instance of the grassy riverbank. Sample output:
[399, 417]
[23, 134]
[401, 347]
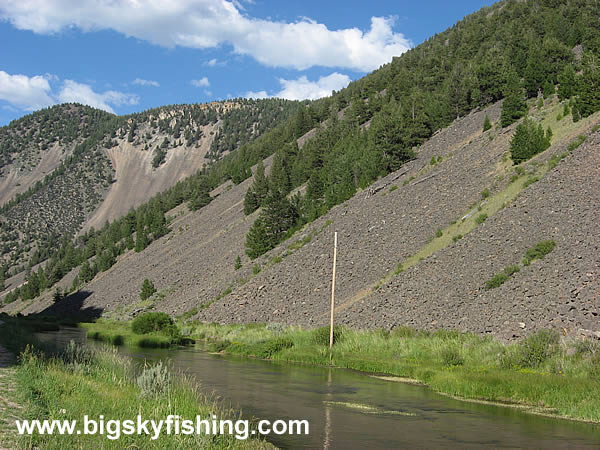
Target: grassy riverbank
[80, 381]
[120, 333]
[543, 373]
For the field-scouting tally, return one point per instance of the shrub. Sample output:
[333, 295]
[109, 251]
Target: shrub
[153, 380]
[77, 355]
[154, 322]
[457, 237]
[321, 335]
[275, 345]
[451, 357]
[501, 278]
[255, 269]
[238, 263]
[481, 218]
[148, 289]
[530, 181]
[538, 252]
[393, 188]
[537, 348]
[439, 233]
[220, 346]
[485, 193]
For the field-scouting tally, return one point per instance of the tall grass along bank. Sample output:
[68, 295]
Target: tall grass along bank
[544, 373]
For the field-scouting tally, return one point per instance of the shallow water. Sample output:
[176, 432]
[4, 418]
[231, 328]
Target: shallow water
[351, 410]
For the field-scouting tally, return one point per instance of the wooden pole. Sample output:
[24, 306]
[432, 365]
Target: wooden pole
[333, 291]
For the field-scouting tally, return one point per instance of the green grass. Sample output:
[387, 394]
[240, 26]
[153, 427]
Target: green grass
[538, 252]
[530, 181]
[577, 142]
[502, 277]
[481, 218]
[104, 383]
[536, 372]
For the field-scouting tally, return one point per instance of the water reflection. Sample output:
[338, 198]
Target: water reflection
[350, 410]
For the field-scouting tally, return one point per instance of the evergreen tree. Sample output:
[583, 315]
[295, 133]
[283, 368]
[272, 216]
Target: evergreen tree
[486, 123]
[535, 75]
[386, 134]
[257, 240]
[588, 101]
[567, 83]
[141, 239]
[514, 106]
[148, 289]
[200, 195]
[279, 178]
[528, 141]
[260, 185]
[238, 263]
[250, 202]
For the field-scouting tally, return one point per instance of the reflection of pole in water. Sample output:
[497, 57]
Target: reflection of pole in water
[327, 438]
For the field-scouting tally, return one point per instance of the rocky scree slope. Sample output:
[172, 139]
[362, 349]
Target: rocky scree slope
[380, 227]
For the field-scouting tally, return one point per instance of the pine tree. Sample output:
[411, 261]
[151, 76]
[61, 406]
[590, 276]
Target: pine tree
[279, 179]
[257, 240]
[148, 289]
[386, 133]
[260, 184]
[141, 239]
[200, 195]
[487, 124]
[514, 106]
[528, 141]
[250, 202]
[588, 101]
[535, 75]
[567, 80]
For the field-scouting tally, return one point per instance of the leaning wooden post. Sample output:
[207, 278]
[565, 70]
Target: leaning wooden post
[332, 291]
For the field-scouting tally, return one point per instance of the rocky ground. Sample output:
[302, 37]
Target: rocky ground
[193, 266]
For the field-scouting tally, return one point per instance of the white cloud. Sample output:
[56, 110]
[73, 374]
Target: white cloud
[304, 89]
[257, 95]
[212, 62]
[202, 82]
[142, 82]
[31, 93]
[24, 92]
[210, 23]
[73, 92]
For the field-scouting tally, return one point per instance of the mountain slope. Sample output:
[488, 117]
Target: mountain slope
[409, 164]
[75, 167]
[193, 267]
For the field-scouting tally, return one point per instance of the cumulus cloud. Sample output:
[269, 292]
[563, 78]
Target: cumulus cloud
[209, 23]
[31, 93]
[202, 82]
[142, 82]
[25, 93]
[73, 92]
[304, 89]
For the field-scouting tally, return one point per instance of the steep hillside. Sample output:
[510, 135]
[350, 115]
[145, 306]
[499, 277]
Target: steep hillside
[74, 167]
[439, 171]
[389, 224]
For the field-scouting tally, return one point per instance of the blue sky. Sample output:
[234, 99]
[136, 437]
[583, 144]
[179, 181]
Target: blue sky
[130, 55]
